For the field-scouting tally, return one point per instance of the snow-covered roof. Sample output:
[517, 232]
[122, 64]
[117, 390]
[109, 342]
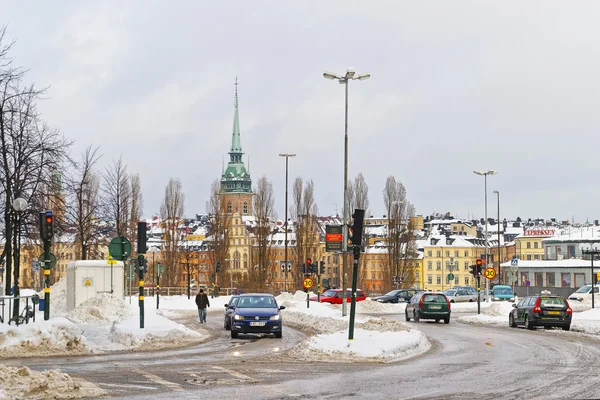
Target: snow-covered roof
[570, 263]
[581, 234]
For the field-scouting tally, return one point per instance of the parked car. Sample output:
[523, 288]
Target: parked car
[257, 313]
[460, 296]
[396, 296]
[584, 293]
[428, 305]
[335, 296]
[229, 307]
[541, 310]
[502, 292]
[469, 289]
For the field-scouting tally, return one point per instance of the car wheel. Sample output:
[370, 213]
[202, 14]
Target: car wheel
[470, 300]
[447, 320]
[511, 321]
[406, 316]
[416, 316]
[528, 323]
[451, 301]
[566, 328]
[234, 334]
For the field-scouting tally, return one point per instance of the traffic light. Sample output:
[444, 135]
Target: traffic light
[315, 268]
[309, 261]
[46, 225]
[321, 267]
[141, 237]
[355, 231]
[479, 262]
[473, 270]
[218, 267]
[303, 268]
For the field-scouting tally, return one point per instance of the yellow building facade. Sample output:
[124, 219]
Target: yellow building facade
[528, 245]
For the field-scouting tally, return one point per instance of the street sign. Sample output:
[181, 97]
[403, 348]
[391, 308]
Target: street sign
[120, 248]
[308, 283]
[514, 262]
[597, 276]
[47, 264]
[35, 265]
[333, 238]
[111, 260]
[450, 276]
[160, 268]
[527, 283]
[490, 273]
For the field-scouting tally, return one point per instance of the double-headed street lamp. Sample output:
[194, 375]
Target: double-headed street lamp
[286, 262]
[345, 80]
[485, 175]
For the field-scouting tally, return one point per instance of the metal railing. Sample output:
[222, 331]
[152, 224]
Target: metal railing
[26, 313]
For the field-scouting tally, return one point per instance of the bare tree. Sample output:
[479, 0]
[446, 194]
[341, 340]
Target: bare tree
[360, 190]
[83, 206]
[264, 210]
[400, 237]
[171, 214]
[117, 195]
[219, 234]
[307, 235]
[136, 206]
[30, 151]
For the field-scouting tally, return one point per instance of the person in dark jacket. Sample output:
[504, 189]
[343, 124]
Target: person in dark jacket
[202, 303]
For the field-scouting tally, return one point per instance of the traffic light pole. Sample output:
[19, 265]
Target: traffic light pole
[141, 295]
[354, 284]
[479, 294]
[46, 280]
[318, 288]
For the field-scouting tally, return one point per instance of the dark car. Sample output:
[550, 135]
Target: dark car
[396, 296]
[428, 305]
[229, 307]
[541, 310]
[256, 313]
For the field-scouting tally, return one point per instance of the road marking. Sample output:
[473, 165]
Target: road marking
[419, 395]
[128, 386]
[157, 379]
[517, 344]
[236, 374]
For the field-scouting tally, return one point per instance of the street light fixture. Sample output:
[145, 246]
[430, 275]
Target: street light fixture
[287, 156]
[485, 175]
[345, 80]
[19, 205]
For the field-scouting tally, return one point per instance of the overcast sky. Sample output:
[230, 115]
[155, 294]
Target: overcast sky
[455, 86]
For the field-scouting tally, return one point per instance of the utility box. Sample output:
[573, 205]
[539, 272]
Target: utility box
[86, 278]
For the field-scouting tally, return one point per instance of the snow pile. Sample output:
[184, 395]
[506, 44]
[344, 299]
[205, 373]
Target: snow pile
[578, 306]
[103, 307]
[587, 321]
[57, 336]
[23, 383]
[375, 307]
[58, 298]
[376, 339]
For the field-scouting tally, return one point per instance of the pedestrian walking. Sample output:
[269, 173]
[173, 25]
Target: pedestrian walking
[202, 303]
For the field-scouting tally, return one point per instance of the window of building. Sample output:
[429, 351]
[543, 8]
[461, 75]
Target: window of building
[565, 279]
[456, 253]
[430, 265]
[439, 253]
[528, 245]
[372, 275]
[429, 279]
[536, 257]
[447, 253]
[535, 245]
[438, 280]
[438, 265]
[466, 253]
[429, 253]
[529, 256]
[417, 275]
[229, 207]
[550, 279]
[466, 265]
[466, 280]
[245, 207]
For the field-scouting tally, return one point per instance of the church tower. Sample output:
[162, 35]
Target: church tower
[236, 185]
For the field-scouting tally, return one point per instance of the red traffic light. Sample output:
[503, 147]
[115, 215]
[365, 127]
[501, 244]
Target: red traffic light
[49, 220]
[479, 262]
[309, 260]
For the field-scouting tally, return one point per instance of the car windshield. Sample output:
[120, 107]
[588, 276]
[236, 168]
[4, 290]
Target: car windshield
[233, 301]
[450, 292]
[329, 293]
[392, 293]
[553, 301]
[256, 302]
[434, 298]
[503, 291]
[583, 289]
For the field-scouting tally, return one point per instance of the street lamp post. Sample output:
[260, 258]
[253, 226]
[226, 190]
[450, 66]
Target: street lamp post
[345, 80]
[485, 175]
[285, 263]
[499, 255]
[592, 250]
[19, 205]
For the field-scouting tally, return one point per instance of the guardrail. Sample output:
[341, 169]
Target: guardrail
[26, 313]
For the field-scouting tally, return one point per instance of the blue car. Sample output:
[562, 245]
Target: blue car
[257, 313]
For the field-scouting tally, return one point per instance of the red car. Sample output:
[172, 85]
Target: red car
[334, 296]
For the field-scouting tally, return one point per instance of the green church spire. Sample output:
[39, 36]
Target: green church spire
[236, 145]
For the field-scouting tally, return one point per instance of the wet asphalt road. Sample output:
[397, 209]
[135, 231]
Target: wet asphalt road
[465, 362]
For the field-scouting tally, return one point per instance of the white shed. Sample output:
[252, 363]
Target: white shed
[86, 278]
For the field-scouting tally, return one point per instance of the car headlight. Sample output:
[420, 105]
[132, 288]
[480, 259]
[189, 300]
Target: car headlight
[275, 317]
[496, 298]
[380, 300]
[238, 317]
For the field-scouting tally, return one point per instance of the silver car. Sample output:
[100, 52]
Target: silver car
[460, 296]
